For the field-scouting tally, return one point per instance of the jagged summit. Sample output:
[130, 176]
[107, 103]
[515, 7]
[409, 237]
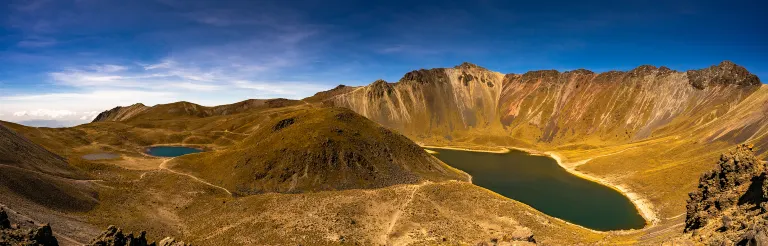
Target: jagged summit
[323, 95]
[725, 73]
[467, 65]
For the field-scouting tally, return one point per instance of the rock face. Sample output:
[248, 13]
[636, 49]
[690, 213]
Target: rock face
[323, 95]
[120, 113]
[114, 236]
[723, 74]
[14, 235]
[468, 103]
[731, 203]
[317, 149]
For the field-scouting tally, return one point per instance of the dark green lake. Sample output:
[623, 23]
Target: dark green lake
[541, 183]
[171, 151]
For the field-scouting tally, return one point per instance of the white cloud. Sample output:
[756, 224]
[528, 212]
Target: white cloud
[75, 106]
[89, 115]
[45, 113]
[193, 86]
[164, 64]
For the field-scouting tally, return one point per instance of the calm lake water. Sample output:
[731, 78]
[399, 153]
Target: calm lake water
[541, 183]
[171, 151]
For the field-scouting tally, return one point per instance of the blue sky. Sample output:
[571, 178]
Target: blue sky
[66, 60]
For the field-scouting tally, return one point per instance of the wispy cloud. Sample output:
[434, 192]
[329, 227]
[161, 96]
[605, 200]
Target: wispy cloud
[37, 42]
[283, 89]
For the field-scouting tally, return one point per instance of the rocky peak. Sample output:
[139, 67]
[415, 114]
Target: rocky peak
[15, 235]
[725, 73]
[730, 205]
[581, 71]
[424, 76]
[544, 75]
[467, 65]
[339, 87]
[379, 88]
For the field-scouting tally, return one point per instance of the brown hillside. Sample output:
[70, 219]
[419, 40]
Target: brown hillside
[317, 149]
[187, 110]
[19, 152]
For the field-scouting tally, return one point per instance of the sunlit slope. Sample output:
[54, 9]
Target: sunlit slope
[317, 149]
[471, 104]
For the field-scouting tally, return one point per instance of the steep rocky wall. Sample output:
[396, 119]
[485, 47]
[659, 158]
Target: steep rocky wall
[550, 107]
[120, 113]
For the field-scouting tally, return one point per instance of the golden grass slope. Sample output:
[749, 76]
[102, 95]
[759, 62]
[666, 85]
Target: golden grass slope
[317, 149]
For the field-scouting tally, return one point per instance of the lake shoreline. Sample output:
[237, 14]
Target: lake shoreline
[643, 206]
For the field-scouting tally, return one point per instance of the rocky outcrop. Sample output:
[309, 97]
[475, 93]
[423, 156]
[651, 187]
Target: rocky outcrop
[731, 203]
[120, 113]
[114, 236]
[724, 73]
[15, 235]
[323, 95]
[5, 223]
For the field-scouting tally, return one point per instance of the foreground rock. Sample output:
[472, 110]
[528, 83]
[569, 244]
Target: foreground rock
[730, 205]
[114, 236]
[15, 235]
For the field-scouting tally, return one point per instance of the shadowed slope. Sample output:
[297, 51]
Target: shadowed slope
[22, 153]
[317, 149]
[30, 171]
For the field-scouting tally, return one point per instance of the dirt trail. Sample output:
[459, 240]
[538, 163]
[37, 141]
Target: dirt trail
[396, 216]
[164, 167]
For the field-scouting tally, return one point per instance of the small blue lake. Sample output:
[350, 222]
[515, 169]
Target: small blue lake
[171, 151]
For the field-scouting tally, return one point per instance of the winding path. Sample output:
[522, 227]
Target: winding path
[164, 167]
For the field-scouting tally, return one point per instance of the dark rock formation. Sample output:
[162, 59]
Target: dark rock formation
[14, 235]
[467, 65]
[730, 205]
[5, 223]
[724, 73]
[114, 236]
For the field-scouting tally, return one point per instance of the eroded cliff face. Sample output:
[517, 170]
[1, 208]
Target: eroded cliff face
[468, 103]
